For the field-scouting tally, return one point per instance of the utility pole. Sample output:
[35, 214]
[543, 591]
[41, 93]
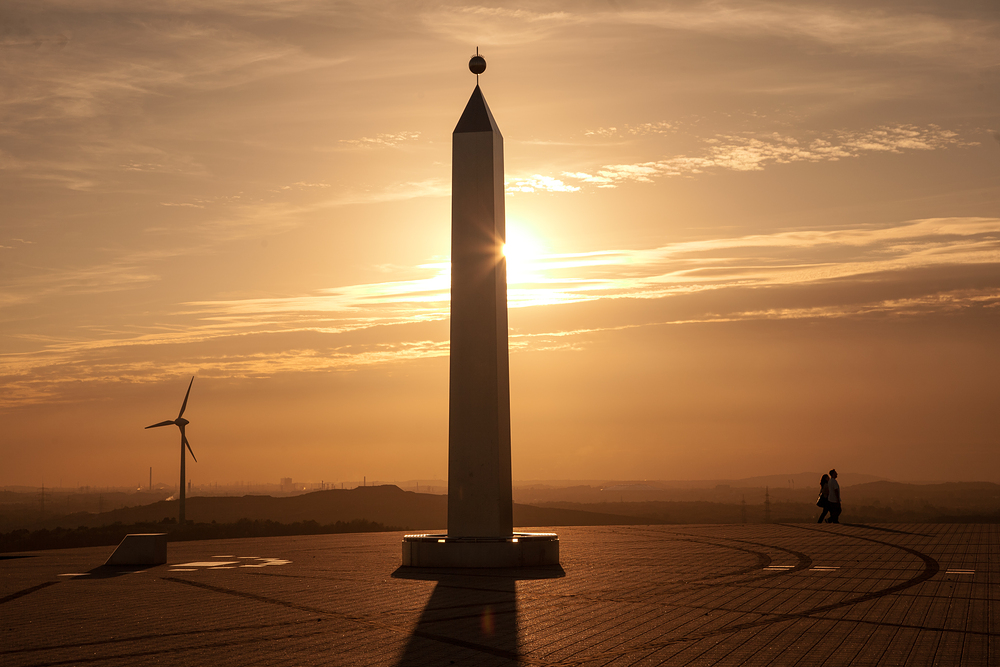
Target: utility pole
[767, 506]
[150, 478]
[743, 509]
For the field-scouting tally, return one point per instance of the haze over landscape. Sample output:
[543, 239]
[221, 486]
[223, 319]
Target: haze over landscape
[745, 239]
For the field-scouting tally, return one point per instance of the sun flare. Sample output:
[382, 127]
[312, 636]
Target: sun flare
[522, 250]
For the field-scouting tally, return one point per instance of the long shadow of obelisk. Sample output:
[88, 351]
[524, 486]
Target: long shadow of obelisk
[471, 617]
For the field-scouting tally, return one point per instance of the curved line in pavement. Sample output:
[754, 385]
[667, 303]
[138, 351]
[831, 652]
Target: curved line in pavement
[931, 568]
[763, 560]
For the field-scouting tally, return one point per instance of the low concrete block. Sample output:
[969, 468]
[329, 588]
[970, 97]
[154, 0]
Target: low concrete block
[141, 549]
[520, 550]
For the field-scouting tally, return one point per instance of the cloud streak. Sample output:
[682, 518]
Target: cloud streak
[882, 31]
[156, 148]
[856, 30]
[539, 183]
[754, 153]
[330, 318]
[382, 140]
[81, 82]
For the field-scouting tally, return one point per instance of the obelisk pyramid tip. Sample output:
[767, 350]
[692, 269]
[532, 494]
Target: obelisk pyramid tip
[477, 116]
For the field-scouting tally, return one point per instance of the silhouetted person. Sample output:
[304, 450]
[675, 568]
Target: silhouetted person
[824, 497]
[833, 498]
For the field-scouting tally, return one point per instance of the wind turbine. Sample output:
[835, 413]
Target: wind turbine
[180, 422]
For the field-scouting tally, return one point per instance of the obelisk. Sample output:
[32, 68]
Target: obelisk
[480, 506]
[479, 479]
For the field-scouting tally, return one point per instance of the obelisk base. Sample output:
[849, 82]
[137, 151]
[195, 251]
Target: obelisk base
[519, 550]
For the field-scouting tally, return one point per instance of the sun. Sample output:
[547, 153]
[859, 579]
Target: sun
[522, 250]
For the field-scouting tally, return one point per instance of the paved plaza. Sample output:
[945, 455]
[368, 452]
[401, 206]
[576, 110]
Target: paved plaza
[889, 594]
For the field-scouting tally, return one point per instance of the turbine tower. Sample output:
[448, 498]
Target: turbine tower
[180, 422]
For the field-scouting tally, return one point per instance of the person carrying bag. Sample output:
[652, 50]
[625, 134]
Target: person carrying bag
[824, 495]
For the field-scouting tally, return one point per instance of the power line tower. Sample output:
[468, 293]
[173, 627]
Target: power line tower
[767, 506]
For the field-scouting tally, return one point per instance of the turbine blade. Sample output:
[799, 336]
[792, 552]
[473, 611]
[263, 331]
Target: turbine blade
[188, 445]
[185, 403]
[166, 423]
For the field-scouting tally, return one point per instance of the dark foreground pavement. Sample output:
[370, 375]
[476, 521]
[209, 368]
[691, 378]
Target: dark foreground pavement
[626, 595]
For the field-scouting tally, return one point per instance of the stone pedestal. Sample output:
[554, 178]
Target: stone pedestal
[519, 550]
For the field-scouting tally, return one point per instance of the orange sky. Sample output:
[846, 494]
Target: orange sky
[745, 238]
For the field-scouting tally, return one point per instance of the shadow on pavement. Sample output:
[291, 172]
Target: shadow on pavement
[109, 571]
[470, 615]
[884, 530]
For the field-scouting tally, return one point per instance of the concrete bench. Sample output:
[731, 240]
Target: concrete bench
[141, 549]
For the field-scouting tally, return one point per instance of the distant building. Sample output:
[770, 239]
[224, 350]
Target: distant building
[286, 484]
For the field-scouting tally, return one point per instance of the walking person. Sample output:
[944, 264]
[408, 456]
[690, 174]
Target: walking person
[833, 498]
[824, 497]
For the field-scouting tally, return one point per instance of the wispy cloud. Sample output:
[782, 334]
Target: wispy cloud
[943, 301]
[19, 242]
[539, 183]
[885, 30]
[382, 140]
[498, 25]
[84, 76]
[334, 320]
[915, 33]
[123, 273]
[794, 257]
[171, 104]
[219, 220]
[754, 153]
[661, 127]
[79, 83]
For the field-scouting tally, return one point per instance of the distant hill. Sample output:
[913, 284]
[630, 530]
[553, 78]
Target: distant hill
[958, 496]
[874, 502]
[783, 480]
[388, 505]
[584, 505]
[803, 480]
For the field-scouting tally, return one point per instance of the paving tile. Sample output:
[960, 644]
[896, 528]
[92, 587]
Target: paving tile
[628, 595]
